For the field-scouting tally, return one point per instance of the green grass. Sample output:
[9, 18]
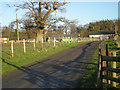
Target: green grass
[112, 46]
[21, 59]
[89, 79]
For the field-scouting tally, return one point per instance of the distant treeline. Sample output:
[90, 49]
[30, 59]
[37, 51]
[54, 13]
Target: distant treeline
[102, 25]
[30, 32]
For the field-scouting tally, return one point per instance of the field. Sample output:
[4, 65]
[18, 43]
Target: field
[31, 55]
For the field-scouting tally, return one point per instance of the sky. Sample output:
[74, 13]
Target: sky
[84, 12]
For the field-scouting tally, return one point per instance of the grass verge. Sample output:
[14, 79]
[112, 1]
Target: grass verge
[22, 59]
[89, 78]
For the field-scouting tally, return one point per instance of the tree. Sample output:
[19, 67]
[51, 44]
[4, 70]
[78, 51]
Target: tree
[67, 23]
[84, 32]
[6, 32]
[40, 13]
[73, 28]
[102, 25]
[117, 26]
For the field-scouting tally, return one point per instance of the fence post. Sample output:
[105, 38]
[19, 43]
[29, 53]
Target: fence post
[34, 44]
[42, 43]
[54, 41]
[110, 73]
[12, 48]
[49, 40]
[104, 52]
[99, 76]
[24, 45]
[114, 66]
[45, 38]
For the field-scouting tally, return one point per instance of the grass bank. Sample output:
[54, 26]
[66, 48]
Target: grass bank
[89, 79]
[21, 59]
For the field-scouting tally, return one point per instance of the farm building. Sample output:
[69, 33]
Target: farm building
[102, 35]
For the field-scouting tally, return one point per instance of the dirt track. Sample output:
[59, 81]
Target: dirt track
[59, 71]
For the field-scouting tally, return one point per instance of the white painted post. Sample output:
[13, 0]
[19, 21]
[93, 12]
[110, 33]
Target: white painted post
[12, 48]
[49, 40]
[24, 45]
[54, 41]
[42, 43]
[34, 44]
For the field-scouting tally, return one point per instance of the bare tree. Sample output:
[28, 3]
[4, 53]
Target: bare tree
[67, 23]
[40, 13]
[73, 28]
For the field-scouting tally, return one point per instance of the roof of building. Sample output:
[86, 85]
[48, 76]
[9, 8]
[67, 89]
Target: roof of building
[101, 32]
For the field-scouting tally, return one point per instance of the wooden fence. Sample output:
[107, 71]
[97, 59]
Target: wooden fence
[81, 39]
[49, 40]
[108, 68]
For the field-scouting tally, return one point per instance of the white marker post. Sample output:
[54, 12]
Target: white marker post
[24, 45]
[12, 48]
[42, 43]
[49, 40]
[34, 44]
[54, 41]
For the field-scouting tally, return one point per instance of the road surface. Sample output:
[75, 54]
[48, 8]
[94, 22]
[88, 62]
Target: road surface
[58, 71]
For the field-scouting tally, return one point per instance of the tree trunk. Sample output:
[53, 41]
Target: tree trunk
[39, 36]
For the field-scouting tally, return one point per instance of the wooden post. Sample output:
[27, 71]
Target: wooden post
[24, 45]
[54, 41]
[42, 43]
[34, 44]
[104, 52]
[45, 38]
[99, 76]
[110, 73]
[49, 40]
[12, 48]
[114, 66]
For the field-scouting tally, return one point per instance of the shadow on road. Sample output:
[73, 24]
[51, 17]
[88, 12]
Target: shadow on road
[63, 75]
